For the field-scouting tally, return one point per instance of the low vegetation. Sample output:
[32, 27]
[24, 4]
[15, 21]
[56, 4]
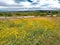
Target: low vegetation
[31, 31]
[31, 13]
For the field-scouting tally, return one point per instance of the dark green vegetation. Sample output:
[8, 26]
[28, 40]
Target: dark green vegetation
[30, 13]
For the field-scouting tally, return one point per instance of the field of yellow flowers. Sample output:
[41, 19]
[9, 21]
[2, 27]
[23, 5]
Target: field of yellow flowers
[30, 31]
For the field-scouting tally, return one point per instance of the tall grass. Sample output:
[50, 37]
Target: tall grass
[31, 31]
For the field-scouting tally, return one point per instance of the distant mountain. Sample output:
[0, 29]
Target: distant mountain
[27, 9]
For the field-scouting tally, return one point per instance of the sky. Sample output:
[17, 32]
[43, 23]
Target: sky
[27, 5]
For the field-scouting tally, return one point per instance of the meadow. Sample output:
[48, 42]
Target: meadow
[30, 31]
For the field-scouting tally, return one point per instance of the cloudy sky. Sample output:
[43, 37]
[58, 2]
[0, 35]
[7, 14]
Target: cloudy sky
[22, 5]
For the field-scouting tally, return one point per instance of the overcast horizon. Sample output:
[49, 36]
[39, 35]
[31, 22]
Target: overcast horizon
[24, 5]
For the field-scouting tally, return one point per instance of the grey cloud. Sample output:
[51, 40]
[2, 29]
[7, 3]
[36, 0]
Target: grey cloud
[2, 4]
[18, 1]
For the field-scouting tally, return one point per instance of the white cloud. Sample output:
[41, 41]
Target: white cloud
[8, 1]
[25, 4]
[42, 4]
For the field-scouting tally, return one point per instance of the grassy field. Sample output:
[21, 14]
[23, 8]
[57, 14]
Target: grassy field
[30, 31]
